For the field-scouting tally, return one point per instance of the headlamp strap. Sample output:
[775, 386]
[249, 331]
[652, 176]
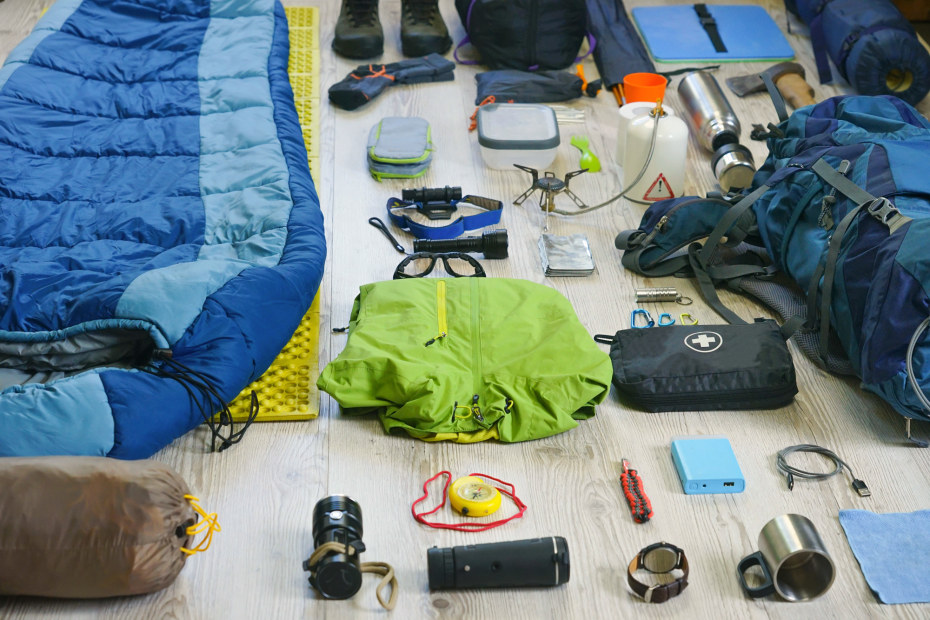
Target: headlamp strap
[489, 217]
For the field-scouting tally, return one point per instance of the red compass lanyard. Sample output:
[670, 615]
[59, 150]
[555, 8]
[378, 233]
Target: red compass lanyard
[465, 527]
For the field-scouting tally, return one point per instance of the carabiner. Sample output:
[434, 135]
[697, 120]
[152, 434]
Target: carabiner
[648, 318]
[690, 320]
[665, 319]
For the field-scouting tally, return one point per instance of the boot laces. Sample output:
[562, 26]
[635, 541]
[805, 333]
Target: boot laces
[362, 12]
[421, 11]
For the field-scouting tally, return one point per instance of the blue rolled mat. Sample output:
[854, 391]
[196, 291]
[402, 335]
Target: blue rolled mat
[872, 45]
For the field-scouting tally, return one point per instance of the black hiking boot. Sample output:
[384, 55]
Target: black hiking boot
[422, 30]
[358, 30]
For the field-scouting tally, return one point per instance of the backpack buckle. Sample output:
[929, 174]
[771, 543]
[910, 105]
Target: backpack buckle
[882, 210]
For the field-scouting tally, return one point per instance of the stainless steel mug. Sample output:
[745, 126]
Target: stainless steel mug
[793, 560]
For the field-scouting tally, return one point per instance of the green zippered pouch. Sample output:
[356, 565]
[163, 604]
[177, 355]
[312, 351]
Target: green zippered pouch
[400, 140]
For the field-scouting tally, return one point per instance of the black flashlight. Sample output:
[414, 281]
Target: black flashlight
[337, 518]
[514, 564]
[432, 194]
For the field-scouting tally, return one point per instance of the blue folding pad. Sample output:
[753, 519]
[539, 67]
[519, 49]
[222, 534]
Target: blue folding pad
[675, 34]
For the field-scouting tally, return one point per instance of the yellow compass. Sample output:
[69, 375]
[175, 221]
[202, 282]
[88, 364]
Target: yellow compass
[473, 497]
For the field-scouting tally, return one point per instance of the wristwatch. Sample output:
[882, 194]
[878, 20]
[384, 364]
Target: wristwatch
[661, 557]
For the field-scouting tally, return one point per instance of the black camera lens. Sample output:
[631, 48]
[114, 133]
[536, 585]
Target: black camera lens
[515, 564]
[337, 518]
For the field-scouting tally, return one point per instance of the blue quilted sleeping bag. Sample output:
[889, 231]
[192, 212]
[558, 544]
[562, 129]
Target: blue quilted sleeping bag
[160, 235]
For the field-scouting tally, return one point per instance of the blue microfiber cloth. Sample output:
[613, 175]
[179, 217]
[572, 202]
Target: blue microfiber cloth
[893, 551]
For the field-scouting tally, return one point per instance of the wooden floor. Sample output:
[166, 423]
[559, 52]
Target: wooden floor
[265, 488]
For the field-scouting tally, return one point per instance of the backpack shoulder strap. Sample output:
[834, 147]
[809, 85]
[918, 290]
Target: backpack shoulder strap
[699, 256]
[879, 208]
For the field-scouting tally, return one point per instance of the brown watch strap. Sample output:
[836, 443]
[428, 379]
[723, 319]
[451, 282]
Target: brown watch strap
[657, 593]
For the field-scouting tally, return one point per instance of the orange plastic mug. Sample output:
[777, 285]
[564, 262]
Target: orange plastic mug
[644, 87]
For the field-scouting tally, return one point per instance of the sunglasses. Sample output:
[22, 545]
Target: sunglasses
[421, 264]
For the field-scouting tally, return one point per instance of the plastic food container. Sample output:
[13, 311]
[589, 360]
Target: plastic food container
[517, 133]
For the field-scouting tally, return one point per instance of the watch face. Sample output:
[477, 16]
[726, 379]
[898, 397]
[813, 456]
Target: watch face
[475, 491]
[661, 559]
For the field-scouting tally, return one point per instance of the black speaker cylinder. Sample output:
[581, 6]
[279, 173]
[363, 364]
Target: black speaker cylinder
[514, 564]
[338, 518]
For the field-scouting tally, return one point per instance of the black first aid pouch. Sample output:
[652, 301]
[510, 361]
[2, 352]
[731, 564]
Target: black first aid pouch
[703, 367]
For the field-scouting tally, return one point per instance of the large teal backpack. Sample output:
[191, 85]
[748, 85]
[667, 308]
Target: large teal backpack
[842, 208]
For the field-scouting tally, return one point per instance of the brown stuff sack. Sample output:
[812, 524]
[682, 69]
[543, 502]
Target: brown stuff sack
[87, 527]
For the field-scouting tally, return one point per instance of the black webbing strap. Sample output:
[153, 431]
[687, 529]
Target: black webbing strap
[667, 267]
[843, 185]
[671, 74]
[699, 257]
[634, 242]
[710, 27]
[790, 326]
[778, 100]
[829, 271]
[812, 288]
[726, 223]
[707, 288]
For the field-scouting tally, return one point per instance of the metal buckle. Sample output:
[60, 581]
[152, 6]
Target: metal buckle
[648, 596]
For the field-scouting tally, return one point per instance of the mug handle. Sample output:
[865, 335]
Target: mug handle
[755, 559]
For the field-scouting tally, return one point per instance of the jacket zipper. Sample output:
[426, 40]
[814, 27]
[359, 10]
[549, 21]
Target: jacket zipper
[476, 369]
[531, 35]
[440, 312]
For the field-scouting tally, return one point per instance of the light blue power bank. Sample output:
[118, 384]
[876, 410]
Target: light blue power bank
[707, 465]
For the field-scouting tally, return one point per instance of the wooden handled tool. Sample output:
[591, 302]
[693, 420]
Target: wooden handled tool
[795, 89]
[787, 76]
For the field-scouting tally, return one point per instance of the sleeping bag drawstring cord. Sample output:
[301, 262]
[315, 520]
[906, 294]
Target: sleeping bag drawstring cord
[193, 380]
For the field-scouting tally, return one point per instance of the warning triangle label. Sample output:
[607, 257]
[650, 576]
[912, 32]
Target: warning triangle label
[659, 190]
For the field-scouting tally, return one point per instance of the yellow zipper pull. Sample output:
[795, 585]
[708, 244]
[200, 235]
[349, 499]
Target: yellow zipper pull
[432, 340]
[440, 312]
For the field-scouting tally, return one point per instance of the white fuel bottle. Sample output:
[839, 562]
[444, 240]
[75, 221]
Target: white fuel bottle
[665, 175]
[627, 114]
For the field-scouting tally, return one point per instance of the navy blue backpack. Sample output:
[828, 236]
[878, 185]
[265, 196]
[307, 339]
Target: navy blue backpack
[834, 234]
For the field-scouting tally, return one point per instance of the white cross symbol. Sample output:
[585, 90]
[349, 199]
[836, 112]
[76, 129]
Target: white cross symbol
[703, 341]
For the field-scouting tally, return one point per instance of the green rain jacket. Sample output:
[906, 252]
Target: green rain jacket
[468, 359]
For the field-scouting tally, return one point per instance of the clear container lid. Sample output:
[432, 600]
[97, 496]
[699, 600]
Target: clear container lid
[517, 126]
